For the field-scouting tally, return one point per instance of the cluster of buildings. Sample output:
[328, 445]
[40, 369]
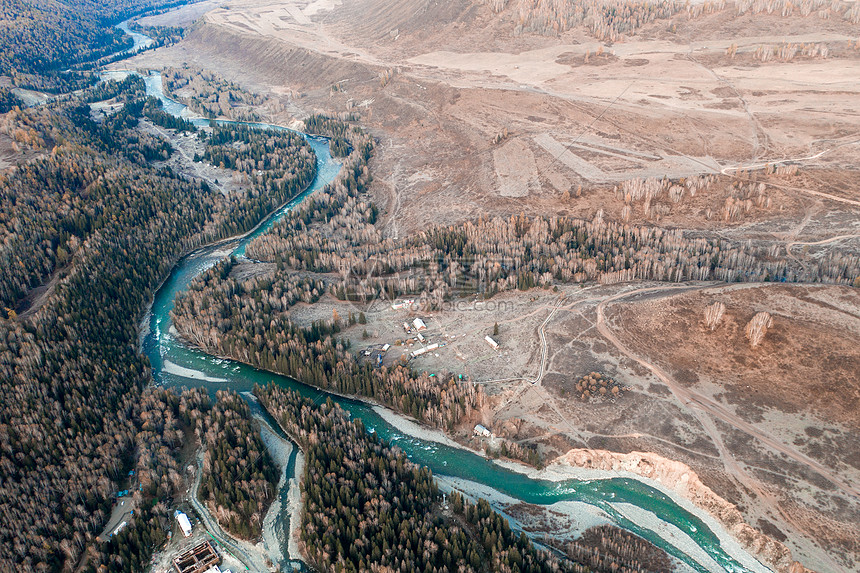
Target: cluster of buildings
[416, 328]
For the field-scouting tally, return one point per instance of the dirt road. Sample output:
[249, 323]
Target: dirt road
[791, 244]
[696, 401]
[544, 347]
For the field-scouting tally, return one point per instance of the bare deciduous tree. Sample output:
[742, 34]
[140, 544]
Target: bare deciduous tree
[757, 328]
[713, 314]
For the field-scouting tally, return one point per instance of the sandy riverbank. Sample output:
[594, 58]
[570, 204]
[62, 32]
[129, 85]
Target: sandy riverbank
[281, 450]
[412, 428]
[563, 519]
[581, 516]
[683, 486]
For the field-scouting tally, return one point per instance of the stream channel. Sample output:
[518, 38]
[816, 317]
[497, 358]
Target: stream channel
[696, 540]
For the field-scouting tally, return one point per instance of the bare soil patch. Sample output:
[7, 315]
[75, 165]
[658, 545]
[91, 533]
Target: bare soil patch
[808, 361]
[438, 115]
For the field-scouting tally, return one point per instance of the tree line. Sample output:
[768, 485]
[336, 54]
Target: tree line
[337, 232]
[9, 100]
[129, 88]
[614, 20]
[211, 95]
[488, 256]
[151, 108]
[366, 507]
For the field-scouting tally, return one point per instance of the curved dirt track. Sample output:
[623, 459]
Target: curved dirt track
[707, 410]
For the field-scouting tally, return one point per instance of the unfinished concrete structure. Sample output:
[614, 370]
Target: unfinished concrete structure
[198, 559]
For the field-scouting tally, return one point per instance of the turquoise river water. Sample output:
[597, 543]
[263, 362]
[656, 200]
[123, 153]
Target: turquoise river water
[687, 537]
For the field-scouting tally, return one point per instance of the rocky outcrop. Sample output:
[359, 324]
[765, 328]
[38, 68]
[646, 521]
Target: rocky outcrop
[679, 478]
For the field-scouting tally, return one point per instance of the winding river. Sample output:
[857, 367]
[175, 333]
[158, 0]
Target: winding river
[141, 41]
[687, 534]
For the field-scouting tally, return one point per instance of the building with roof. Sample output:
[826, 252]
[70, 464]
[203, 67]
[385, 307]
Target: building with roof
[424, 350]
[184, 522]
[491, 342]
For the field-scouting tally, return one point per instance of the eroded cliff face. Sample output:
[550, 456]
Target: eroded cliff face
[678, 477]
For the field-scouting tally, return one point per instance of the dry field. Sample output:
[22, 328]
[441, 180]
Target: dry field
[552, 124]
[772, 429]
[799, 387]
[808, 361]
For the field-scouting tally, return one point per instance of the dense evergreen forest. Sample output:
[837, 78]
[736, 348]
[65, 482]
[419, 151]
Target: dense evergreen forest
[89, 226]
[239, 476]
[8, 100]
[366, 507]
[120, 91]
[275, 165]
[53, 204]
[40, 40]
[238, 480]
[335, 130]
[160, 421]
[276, 161]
